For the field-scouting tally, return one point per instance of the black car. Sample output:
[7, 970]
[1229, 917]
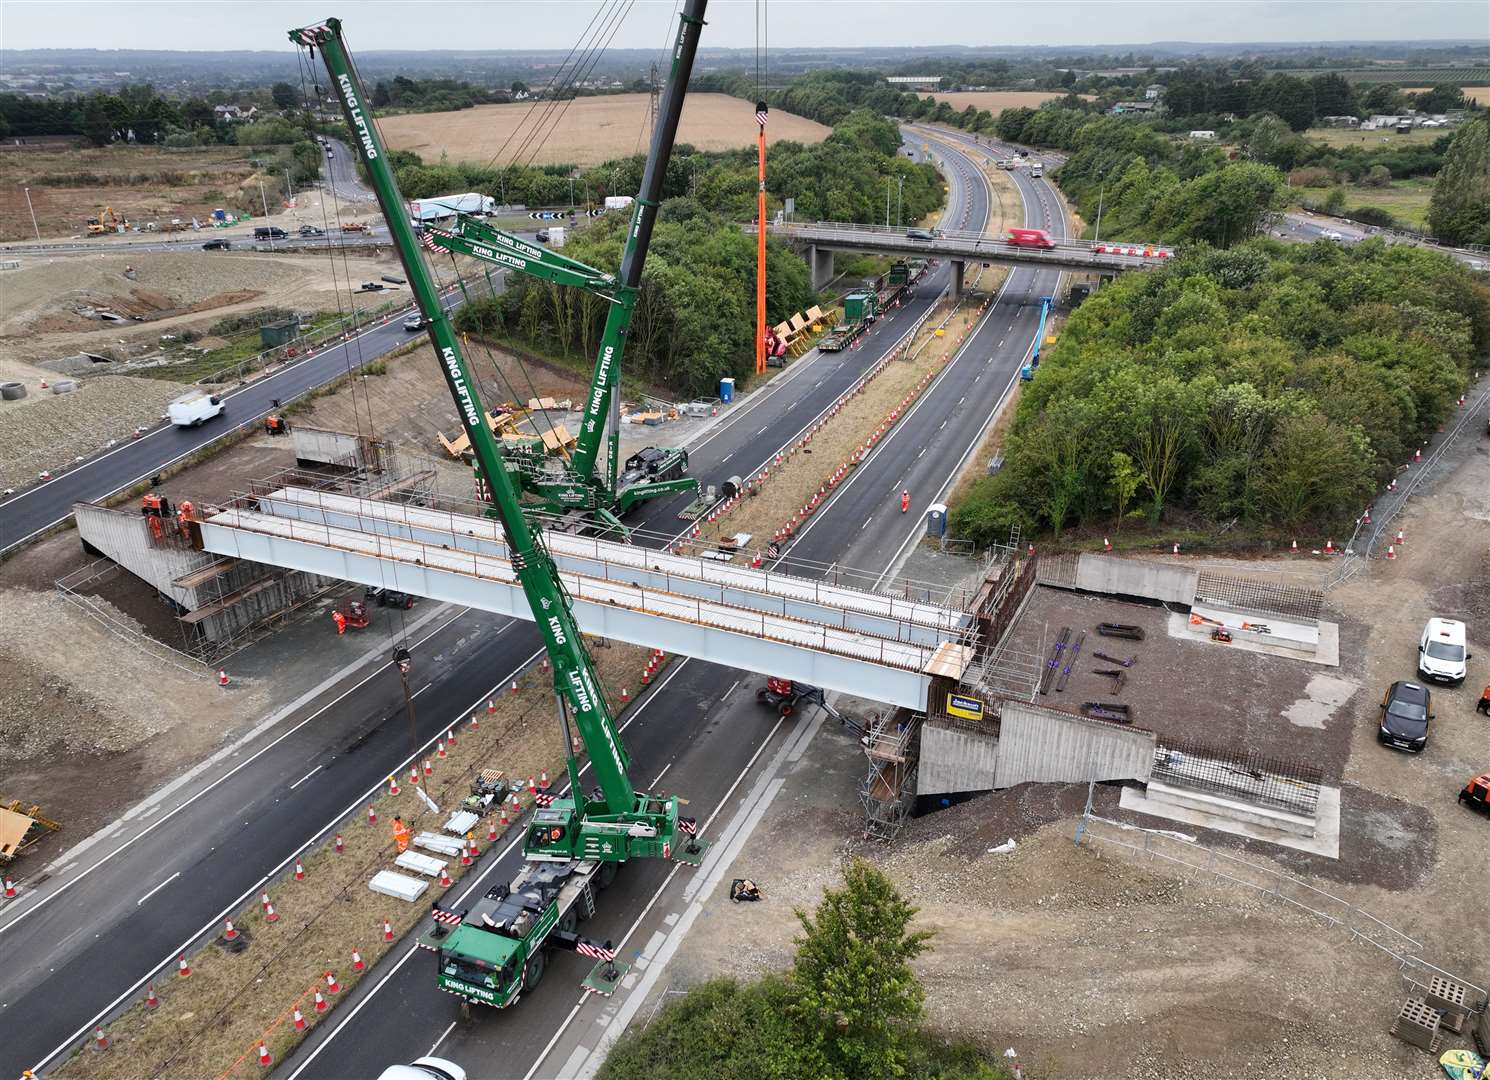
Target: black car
[311, 230]
[216, 245]
[919, 234]
[1406, 708]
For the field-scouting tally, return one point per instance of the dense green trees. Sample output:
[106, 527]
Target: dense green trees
[1276, 385]
[1460, 210]
[849, 1007]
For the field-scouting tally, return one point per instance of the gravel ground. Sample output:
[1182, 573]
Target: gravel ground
[48, 433]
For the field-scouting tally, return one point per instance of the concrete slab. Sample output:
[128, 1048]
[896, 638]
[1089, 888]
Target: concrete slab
[398, 886]
[419, 864]
[1326, 652]
[1322, 698]
[1325, 841]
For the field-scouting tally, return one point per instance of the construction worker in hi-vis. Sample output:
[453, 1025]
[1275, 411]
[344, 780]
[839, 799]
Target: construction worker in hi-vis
[400, 835]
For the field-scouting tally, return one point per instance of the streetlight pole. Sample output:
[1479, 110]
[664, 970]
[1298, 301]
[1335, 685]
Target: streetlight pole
[34, 227]
[1101, 194]
[887, 202]
[900, 204]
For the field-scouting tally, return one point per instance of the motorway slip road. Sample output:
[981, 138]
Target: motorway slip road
[39, 508]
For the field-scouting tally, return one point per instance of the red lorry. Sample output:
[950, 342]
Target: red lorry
[1038, 238]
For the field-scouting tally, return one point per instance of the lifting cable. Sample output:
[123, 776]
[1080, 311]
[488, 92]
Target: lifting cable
[401, 631]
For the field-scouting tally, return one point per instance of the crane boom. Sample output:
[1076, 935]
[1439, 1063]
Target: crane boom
[621, 822]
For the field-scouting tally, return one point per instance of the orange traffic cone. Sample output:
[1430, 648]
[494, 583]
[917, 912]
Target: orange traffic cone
[625, 694]
[445, 879]
[491, 706]
[1106, 544]
[332, 986]
[222, 677]
[357, 964]
[1176, 549]
[229, 934]
[299, 871]
[270, 915]
[429, 770]
[340, 845]
[1391, 551]
[532, 785]
[393, 785]
[450, 738]
[320, 1003]
[1295, 547]
[266, 1059]
[100, 1040]
[542, 779]
[299, 1018]
[491, 830]
[514, 688]
[372, 816]
[151, 1001]
[10, 889]
[387, 930]
[1401, 539]
[440, 750]
[182, 968]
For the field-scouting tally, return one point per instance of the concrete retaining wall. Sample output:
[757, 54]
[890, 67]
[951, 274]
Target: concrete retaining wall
[1044, 746]
[125, 538]
[1127, 577]
[955, 758]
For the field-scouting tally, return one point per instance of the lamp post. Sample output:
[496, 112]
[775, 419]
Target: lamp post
[900, 203]
[33, 214]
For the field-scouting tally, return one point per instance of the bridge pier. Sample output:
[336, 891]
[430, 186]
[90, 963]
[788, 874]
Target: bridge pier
[820, 262]
[958, 267]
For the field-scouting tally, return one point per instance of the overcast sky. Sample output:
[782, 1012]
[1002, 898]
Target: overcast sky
[509, 24]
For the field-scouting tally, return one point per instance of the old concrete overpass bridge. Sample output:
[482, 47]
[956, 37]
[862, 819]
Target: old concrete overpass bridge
[821, 239]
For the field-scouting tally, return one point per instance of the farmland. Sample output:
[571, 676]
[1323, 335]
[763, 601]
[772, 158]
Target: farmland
[588, 130]
[1480, 95]
[142, 183]
[1405, 200]
[1340, 138]
[996, 101]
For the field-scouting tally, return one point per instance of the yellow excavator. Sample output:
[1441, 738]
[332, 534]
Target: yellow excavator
[106, 222]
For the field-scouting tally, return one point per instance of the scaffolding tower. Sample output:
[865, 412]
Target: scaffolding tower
[892, 747]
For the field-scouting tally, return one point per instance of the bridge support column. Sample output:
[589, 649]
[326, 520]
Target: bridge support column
[958, 267]
[820, 262]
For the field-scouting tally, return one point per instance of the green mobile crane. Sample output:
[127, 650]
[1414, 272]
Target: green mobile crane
[573, 845]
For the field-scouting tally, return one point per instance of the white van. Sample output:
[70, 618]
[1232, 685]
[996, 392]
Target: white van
[1441, 654]
[192, 409]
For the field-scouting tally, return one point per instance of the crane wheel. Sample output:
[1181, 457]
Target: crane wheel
[534, 968]
[760, 696]
[606, 874]
[786, 708]
[568, 921]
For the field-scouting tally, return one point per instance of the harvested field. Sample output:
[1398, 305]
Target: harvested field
[1480, 94]
[996, 101]
[40, 320]
[141, 183]
[54, 428]
[211, 1025]
[592, 130]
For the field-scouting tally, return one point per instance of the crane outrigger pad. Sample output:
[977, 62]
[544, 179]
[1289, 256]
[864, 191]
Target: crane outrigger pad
[604, 977]
[693, 851]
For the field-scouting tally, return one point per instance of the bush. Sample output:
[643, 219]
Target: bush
[1378, 176]
[1313, 176]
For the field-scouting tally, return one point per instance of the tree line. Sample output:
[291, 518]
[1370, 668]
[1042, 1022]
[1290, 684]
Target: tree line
[1274, 385]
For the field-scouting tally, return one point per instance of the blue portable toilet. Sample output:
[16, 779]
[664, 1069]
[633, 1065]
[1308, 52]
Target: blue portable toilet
[726, 390]
[936, 520]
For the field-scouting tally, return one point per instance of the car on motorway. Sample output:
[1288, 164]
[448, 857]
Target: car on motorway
[311, 230]
[920, 234]
[425, 1068]
[414, 322]
[1406, 708]
[1442, 656]
[1332, 234]
[270, 232]
[219, 244]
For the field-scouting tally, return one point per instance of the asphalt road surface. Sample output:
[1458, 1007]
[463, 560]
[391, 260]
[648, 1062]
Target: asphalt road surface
[86, 939]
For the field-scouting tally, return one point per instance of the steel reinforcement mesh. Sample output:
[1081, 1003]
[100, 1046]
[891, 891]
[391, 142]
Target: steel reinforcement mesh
[1243, 594]
[1264, 781]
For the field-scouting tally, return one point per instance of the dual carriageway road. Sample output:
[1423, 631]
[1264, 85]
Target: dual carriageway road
[91, 935]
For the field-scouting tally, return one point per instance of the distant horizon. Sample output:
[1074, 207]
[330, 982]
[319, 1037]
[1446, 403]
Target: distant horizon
[910, 25]
[948, 47]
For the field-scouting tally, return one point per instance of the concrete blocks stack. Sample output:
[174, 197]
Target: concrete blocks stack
[1418, 1024]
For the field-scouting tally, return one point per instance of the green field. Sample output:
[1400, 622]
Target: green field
[1405, 200]
[1375, 140]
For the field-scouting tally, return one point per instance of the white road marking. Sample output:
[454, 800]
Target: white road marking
[421, 690]
[443, 1035]
[763, 430]
[918, 456]
[866, 523]
[789, 408]
[941, 425]
[157, 888]
[656, 779]
[962, 399]
[306, 777]
[726, 457]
